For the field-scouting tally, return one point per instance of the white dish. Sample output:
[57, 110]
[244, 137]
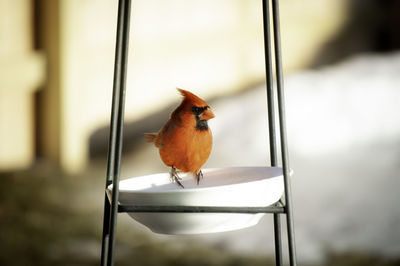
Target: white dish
[225, 187]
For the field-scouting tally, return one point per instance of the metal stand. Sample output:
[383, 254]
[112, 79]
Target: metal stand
[112, 208]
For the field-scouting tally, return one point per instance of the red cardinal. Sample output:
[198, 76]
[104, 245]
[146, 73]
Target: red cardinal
[185, 141]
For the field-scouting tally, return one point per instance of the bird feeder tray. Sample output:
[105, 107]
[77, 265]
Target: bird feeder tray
[225, 199]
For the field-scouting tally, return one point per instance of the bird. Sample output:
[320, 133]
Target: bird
[185, 141]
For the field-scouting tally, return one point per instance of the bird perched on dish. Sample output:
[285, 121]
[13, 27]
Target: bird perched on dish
[185, 141]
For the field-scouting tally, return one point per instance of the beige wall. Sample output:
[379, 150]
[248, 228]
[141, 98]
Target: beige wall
[21, 73]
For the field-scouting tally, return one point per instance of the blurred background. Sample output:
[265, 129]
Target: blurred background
[341, 65]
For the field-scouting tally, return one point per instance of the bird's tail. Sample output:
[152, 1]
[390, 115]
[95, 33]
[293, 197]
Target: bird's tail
[150, 137]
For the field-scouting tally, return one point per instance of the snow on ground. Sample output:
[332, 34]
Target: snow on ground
[344, 144]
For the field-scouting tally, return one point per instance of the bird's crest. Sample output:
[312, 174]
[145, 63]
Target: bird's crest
[193, 99]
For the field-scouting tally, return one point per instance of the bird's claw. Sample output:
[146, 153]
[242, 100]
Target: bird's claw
[175, 177]
[198, 176]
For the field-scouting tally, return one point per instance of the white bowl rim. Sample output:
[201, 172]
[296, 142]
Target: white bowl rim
[200, 189]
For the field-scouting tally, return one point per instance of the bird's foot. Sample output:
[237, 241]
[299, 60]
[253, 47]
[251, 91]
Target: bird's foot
[175, 177]
[199, 175]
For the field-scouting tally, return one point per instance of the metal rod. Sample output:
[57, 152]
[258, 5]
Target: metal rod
[271, 120]
[119, 127]
[269, 83]
[282, 124]
[113, 131]
[278, 239]
[201, 209]
[106, 231]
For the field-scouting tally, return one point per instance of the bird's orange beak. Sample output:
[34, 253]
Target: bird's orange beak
[207, 114]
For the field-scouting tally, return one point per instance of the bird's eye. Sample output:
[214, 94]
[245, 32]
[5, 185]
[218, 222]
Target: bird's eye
[197, 110]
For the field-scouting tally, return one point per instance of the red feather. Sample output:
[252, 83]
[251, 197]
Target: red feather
[182, 143]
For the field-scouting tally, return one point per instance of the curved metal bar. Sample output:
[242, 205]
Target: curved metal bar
[119, 133]
[271, 119]
[113, 131]
[116, 131]
[282, 128]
